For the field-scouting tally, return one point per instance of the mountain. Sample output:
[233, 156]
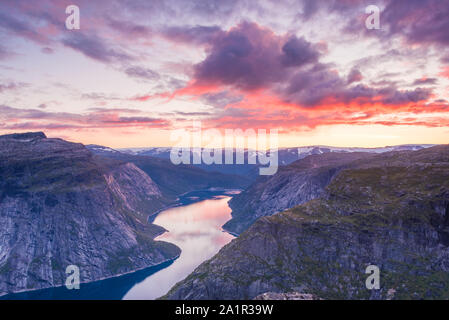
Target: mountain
[296, 183]
[286, 155]
[251, 171]
[292, 185]
[390, 210]
[61, 205]
[174, 180]
[246, 169]
[307, 151]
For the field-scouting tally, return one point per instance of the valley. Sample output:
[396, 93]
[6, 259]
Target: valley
[140, 227]
[194, 226]
[389, 210]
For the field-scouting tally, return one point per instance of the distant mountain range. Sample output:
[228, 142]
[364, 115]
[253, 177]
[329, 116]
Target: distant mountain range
[390, 210]
[174, 180]
[286, 156]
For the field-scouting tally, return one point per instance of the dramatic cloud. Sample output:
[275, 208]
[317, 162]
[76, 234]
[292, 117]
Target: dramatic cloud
[20, 28]
[15, 118]
[420, 21]
[249, 57]
[297, 52]
[94, 47]
[290, 120]
[288, 64]
[221, 99]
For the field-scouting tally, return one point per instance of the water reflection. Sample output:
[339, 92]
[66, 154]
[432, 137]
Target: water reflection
[194, 226]
[109, 289]
[196, 229]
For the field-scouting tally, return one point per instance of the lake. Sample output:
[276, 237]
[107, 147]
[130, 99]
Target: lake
[194, 226]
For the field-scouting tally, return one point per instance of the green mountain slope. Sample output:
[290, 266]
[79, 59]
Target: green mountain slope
[391, 210]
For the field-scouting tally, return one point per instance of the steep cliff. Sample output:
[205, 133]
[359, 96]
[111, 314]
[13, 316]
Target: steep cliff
[60, 205]
[391, 210]
[174, 180]
[292, 185]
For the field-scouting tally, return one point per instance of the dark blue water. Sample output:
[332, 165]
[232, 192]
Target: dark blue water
[109, 289]
[194, 225]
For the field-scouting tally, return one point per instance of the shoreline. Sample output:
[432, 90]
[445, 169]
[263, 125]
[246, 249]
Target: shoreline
[178, 204]
[153, 215]
[100, 279]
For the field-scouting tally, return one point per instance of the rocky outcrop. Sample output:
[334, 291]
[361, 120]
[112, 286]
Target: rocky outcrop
[293, 185]
[60, 205]
[286, 296]
[391, 211]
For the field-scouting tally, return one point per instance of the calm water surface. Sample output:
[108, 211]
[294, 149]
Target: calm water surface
[196, 229]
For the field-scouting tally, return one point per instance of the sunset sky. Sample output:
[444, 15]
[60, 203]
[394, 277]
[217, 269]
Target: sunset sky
[136, 70]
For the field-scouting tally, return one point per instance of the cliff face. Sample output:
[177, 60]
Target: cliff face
[390, 210]
[60, 205]
[294, 184]
[174, 180]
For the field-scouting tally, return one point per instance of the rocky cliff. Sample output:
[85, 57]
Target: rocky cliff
[292, 185]
[174, 180]
[286, 296]
[61, 205]
[390, 210]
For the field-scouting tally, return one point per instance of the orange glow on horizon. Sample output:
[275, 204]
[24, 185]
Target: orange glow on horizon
[368, 136]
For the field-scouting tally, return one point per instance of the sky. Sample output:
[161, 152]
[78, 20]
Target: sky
[136, 70]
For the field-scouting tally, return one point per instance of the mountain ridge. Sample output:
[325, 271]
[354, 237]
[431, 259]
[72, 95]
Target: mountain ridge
[294, 184]
[285, 156]
[62, 205]
[390, 210]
